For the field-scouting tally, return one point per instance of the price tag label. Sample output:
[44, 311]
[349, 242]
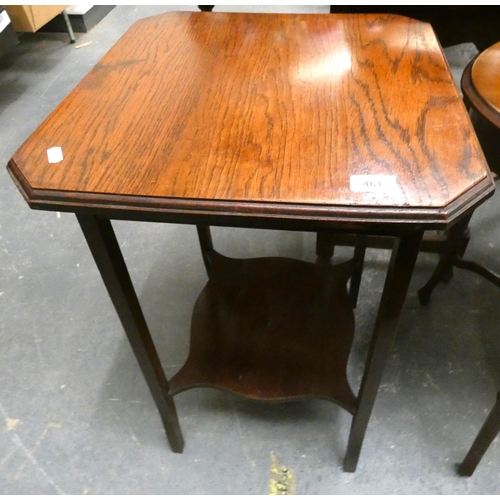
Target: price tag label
[373, 183]
[55, 154]
[4, 20]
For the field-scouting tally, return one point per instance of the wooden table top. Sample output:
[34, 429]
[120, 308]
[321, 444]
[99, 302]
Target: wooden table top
[257, 113]
[486, 76]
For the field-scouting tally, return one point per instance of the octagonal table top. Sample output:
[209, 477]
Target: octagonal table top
[263, 113]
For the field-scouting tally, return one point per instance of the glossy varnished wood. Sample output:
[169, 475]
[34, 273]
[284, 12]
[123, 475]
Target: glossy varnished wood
[257, 120]
[476, 102]
[486, 76]
[482, 96]
[272, 329]
[262, 112]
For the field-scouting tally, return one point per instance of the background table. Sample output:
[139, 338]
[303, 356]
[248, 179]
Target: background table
[481, 89]
[263, 121]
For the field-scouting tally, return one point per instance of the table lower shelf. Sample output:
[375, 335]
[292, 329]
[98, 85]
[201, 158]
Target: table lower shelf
[272, 329]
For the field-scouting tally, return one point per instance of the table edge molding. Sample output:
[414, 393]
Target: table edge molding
[105, 204]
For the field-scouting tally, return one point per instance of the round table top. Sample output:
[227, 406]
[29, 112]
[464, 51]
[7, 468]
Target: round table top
[486, 76]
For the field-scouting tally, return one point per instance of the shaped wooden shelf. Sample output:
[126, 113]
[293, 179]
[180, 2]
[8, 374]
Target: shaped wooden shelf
[272, 329]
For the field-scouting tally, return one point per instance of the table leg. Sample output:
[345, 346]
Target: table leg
[69, 27]
[359, 260]
[108, 257]
[403, 258]
[206, 245]
[325, 247]
[454, 247]
[486, 435]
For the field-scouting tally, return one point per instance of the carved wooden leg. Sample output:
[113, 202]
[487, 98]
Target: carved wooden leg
[462, 247]
[108, 257]
[325, 246]
[404, 256]
[454, 245]
[486, 435]
[206, 245]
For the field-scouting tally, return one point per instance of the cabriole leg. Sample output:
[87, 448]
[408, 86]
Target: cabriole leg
[455, 244]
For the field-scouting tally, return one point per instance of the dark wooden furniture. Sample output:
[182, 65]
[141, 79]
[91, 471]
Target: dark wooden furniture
[489, 431]
[481, 90]
[264, 121]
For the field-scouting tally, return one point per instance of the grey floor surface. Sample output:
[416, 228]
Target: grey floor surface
[75, 413]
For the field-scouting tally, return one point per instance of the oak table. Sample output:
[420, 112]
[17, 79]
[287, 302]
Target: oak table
[324, 123]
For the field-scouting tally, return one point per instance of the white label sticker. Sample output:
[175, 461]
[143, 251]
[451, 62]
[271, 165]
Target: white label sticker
[373, 183]
[4, 20]
[54, 154]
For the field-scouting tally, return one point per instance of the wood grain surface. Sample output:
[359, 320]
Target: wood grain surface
[486, 76]
[261, 109]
